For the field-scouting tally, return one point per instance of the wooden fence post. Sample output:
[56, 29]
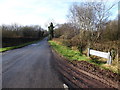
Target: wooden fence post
[88, 54]
[109, 61]
[108, 57]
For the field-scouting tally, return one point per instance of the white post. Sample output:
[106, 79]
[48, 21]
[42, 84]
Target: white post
[108, 57]
[88, 54]
[110, 60]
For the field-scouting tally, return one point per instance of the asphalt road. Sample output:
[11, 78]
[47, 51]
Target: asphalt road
[30, 67]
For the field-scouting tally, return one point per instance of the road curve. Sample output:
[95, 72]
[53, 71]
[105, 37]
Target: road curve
[30, 67]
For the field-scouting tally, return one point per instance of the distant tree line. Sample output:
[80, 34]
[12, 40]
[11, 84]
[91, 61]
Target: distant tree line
[16, 34]
[15, 31]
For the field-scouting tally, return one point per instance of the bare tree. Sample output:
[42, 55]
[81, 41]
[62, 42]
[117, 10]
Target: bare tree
[91, 16]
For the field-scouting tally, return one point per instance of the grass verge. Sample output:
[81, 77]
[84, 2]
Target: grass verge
[14, 47]
[67, 52]
[76, 55]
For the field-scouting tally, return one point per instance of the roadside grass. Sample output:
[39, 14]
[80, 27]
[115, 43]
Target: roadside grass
[14, 47]
[67, 52]
[76, 55]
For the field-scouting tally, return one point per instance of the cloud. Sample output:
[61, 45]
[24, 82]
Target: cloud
[39, 12]
[32, 11]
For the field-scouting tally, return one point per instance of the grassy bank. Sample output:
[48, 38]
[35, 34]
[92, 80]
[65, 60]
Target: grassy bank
[67, 52]
[76, 55]
[19, 46]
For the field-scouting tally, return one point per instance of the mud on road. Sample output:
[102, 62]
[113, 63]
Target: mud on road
[81, 74]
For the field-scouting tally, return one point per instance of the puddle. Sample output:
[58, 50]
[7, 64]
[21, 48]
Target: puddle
[35, 44]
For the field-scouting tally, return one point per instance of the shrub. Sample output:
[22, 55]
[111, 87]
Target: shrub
[67, 43]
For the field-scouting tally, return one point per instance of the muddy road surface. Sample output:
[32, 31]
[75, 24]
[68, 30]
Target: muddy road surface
[30, 67]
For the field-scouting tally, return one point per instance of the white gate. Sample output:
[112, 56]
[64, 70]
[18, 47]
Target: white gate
[100, 54]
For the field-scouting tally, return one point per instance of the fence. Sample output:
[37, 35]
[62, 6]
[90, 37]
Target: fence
[100, 54]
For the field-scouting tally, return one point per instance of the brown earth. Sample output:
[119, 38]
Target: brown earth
[81, 74]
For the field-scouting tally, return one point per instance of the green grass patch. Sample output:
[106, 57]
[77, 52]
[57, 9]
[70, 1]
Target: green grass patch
[19, 46]
[67, 52]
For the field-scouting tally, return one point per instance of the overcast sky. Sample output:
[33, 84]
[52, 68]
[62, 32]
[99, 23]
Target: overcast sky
[40, 12]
